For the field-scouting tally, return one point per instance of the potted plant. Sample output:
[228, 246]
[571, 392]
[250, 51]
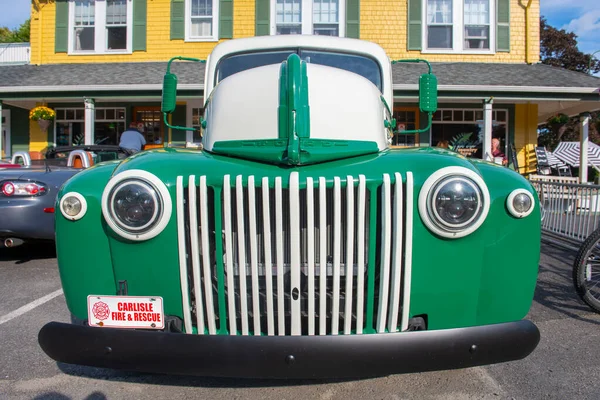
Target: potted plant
[43, 115]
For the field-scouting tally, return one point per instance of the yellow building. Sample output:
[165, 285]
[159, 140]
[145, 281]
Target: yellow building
[99, 64]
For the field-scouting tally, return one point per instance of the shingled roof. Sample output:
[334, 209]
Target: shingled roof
[70, 76]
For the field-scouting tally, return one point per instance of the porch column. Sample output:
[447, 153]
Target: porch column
[487, 129]
[1, 134]
[583, 147]
[90, 119]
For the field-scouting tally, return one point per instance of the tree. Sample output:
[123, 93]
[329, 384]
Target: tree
[18, 35]
[559, 49]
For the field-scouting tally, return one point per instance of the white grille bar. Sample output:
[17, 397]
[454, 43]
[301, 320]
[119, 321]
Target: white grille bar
[349, 253]
[187, 313]
[229, 254]
[206, 265]
[322, 255]
[254, 256]
[396, 256]
[408, 251]
[279, 248]
[360, 254]
[386, 239]
[337, 243]
[195, 254]
[310, 238]
[267, 248]
[239, 192]
[295, 286]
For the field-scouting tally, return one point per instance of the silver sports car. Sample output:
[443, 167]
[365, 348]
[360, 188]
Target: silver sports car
[28, 192]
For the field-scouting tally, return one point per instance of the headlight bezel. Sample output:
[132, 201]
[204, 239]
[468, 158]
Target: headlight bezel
[436, 180]
[81, 199]
[511, 209]
[163, 208]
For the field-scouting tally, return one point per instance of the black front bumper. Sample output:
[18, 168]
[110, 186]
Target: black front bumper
[289, 356]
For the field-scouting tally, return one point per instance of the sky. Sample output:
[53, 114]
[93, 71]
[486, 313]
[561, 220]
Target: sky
[579, 16]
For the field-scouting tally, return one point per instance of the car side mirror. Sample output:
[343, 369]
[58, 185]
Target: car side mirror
[428, 98]
[169, 93]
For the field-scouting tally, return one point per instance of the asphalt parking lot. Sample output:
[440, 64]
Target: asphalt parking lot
[564, 366]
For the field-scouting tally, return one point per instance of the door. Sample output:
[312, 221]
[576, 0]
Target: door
[5, 146]
[151, 117]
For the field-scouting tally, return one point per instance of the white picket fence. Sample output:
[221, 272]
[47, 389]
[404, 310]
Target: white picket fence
[14, 53]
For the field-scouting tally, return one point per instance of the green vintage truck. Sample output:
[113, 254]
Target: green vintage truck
[296, 244]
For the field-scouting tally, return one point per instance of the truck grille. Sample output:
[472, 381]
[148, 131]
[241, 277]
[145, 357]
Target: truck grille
[276, 256]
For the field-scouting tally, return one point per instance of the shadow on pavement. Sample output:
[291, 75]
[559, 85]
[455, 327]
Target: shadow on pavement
[27, 252]
[555, 291]
[59, 396]
[187, 380]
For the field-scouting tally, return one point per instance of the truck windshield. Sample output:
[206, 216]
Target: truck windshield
[361, 65]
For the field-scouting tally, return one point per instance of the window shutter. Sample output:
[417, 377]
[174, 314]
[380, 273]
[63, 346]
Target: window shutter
[177, 19]
[415, 21]
[353, 19]
[503, 26]
[139, 25]
[61, 30]
[263, 18]
[225, 19]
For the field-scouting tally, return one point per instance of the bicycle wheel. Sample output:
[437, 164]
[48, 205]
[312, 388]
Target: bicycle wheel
[586, 271]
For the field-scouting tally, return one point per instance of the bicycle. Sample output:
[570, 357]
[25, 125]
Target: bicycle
[586, 271]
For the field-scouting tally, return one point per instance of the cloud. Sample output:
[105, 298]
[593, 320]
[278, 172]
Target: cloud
[587, 29]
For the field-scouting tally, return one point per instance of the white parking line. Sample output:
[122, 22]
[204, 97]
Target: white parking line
[28, 307]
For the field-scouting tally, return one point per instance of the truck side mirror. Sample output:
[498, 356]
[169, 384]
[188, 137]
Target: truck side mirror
[169, 93]
[428, 93]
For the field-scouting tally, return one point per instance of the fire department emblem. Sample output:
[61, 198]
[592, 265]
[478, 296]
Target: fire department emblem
[101, 310]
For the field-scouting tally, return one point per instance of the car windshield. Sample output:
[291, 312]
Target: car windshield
[361, 65]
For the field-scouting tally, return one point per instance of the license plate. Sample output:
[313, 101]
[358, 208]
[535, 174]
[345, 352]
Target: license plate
[126, 312]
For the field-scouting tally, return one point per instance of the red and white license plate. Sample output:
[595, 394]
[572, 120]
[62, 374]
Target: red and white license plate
[126, 312]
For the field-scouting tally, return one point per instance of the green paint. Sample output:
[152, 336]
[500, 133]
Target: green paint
[293, 110]
[462, 282]
[220, 265]
[369, 322]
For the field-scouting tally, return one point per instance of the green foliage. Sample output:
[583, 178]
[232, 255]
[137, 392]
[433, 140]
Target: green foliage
[559, 49]
[18, 35]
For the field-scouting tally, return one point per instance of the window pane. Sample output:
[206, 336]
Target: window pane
[84, 39]
[477, 37]
[116, 12]
[110, 113]
[325, 11]
[79, 114]
[457, 115]
[469, 115]
[326, 30]
[288, 17]
[202, 8]
[439, 37]
[202, 27]
[117, 38]
[501, 116]
[477, 12]
[99, 114]
[439, 12]
[70, 114]
[84, 12]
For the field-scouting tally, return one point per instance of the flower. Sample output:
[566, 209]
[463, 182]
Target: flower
[41, 112]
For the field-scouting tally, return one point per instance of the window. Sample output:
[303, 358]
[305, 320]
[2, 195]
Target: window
[463, 129]
[459, 25]
[309, 17]
[70, 123]
[363, 66]
[100, 26]
[201, 20]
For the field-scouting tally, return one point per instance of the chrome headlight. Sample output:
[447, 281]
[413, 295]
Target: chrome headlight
[520, 203]
[454, 202]
[73, 206]
[136, 205]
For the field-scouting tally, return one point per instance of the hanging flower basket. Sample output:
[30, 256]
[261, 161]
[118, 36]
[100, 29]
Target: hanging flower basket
[44, 124]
